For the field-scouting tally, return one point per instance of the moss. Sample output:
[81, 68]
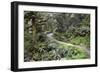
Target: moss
[77, 53]
[72, 51]
[81, 41]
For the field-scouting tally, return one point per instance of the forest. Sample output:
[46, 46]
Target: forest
[56, 36]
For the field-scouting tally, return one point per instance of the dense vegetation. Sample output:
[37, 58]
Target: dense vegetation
[56, 36]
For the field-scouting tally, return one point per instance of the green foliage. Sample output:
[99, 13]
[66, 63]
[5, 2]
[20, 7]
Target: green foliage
[85, 41]
[56, 36]
[76, 53]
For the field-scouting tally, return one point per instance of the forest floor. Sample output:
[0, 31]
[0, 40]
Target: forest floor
[66, 45]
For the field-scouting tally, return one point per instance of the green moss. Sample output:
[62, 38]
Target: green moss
[72, 51]
[81, 41]
[76, 53]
